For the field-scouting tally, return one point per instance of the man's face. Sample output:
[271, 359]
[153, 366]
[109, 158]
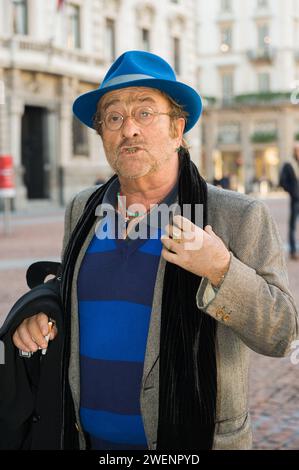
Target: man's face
[136, 150]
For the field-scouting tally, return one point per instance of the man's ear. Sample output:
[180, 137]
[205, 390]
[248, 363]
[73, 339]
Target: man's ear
[181, 126]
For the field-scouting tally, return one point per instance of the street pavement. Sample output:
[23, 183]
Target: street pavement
[274, 383]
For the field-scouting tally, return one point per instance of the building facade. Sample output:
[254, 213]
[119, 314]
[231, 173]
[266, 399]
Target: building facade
[242, 56]
[52, 51]
[248, 71]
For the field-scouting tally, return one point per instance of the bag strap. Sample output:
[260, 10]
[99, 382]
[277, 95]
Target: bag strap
[37, 272]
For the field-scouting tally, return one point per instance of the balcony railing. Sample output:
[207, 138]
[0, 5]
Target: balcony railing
[262, 54]
[209, 101]
[249, 99]
[260, 137]
[262, 98]
[45, 52]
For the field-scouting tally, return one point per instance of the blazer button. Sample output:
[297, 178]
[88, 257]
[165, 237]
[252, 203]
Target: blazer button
[35, 418]
[220, 312]
[225, 317]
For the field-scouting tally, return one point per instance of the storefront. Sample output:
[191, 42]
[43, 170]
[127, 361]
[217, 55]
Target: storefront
[229, 171]
[266, 168]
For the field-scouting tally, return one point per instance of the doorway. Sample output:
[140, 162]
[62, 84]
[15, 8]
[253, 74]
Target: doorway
[35, 154]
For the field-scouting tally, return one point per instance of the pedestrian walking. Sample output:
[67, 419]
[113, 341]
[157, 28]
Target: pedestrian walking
[289, 181]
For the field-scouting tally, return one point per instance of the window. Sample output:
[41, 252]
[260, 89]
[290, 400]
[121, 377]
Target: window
[229, 133]
[262, 3]
[263, 36]
[177, 55]
[20, 16]
[73, 39]
[80, 138]
[227, 87]
[110, 39]
[226, 39]
[226, 6]
[264, 82]
[145, 39]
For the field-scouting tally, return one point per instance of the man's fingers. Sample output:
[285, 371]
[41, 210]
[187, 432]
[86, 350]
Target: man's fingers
[184, 224]
[19, 343]
[189, 229]
[170, 244]
[168, 256]
[53, 333]
[30, 334]
[174, 232]
[208, 229]
[42, 321]
[26, 338]
[36, 332]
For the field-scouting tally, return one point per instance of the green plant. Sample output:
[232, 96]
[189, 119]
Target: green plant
[264, 137]
[262, 97]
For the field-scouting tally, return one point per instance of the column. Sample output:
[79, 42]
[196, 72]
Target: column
[4, 145]
[53, 152]
[286, 135]
[65, 137]
[247, 154]
[194, 139]
[65, 123]
[211, 126]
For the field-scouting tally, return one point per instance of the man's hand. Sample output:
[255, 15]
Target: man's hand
[199, 251]
[30, 334]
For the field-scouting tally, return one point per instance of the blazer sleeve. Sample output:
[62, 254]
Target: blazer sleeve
[254, 299]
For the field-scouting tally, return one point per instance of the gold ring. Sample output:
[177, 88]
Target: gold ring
[177, 239]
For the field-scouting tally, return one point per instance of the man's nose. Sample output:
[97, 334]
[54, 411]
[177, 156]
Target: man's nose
[130, 127]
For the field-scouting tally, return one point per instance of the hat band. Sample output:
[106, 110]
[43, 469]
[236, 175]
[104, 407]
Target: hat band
[125, 78]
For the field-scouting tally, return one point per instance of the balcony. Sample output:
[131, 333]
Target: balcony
[257, 99]
[209, 101]
[264, 54]
[263, 137]
[263, 98]
[44, 56]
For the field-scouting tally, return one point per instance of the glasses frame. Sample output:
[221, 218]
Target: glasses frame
[132, 115]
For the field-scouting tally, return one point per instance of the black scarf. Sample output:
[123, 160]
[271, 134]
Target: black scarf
[187, 393]
[188, 374]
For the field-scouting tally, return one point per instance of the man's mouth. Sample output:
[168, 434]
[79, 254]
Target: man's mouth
[130, 150]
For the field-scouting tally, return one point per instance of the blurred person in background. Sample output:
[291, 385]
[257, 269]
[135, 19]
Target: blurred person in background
[289, 181]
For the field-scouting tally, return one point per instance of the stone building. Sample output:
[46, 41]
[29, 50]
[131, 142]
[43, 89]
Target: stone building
[248, 71]
[50, 52]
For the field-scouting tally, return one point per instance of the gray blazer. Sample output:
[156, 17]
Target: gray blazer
[254, 309]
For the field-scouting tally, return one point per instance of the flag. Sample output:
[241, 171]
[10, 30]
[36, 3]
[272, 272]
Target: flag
[59, 4]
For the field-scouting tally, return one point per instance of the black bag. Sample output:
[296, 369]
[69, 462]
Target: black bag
[30, 389]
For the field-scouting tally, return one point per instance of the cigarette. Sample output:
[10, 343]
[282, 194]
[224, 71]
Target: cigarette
[50, 325]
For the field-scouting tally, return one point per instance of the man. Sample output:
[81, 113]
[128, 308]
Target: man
[158, 328]
[289, 181]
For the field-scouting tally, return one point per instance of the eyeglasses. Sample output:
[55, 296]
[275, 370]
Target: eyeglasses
[143, 115]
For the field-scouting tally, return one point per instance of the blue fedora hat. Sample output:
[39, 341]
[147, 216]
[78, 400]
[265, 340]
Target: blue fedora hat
[140, 68]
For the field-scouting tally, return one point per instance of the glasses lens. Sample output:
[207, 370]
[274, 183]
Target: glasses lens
[113, 120]
[144, 115]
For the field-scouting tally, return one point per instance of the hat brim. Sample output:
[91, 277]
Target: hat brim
[85, 106]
